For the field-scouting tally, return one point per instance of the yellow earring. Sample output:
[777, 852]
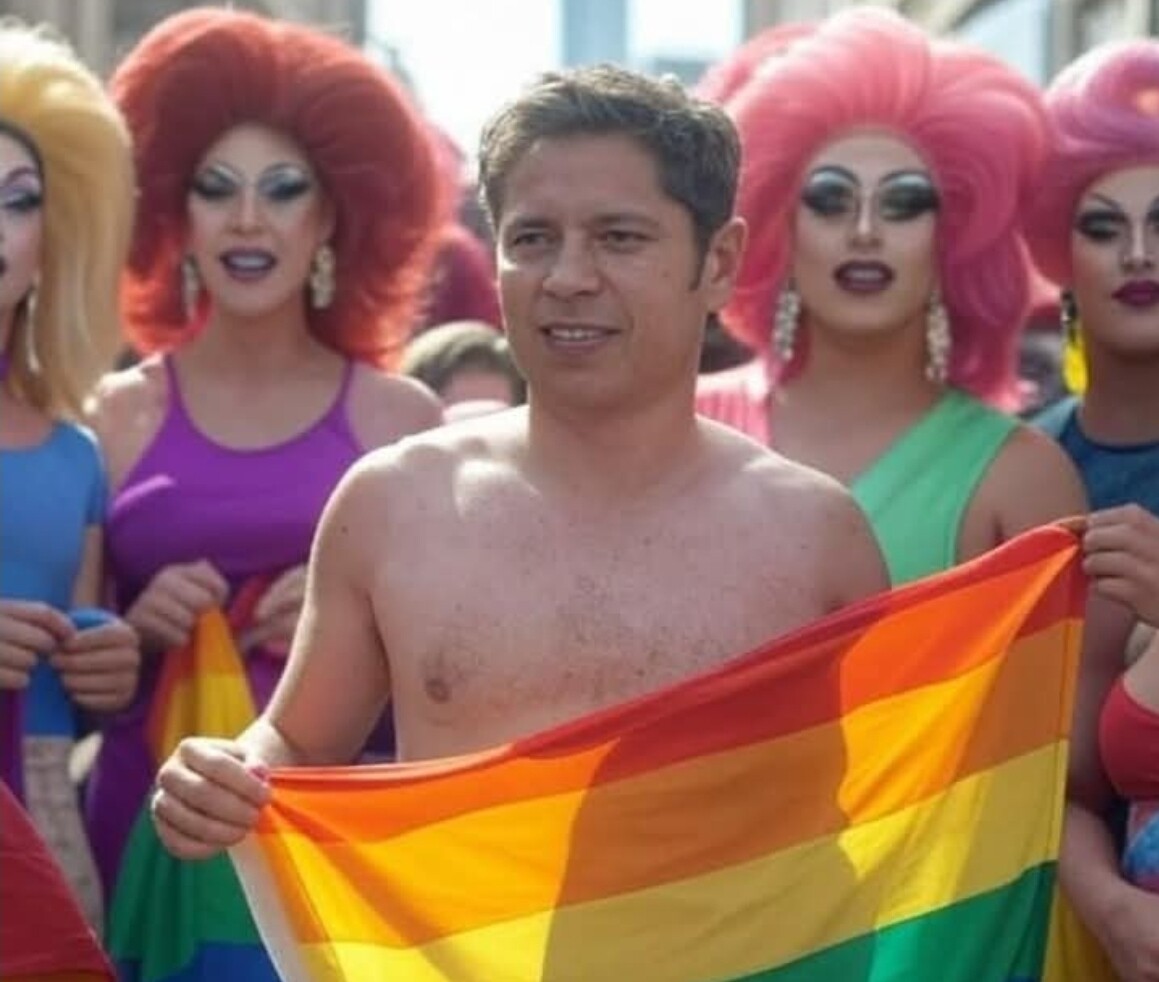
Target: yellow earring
[1074, 358]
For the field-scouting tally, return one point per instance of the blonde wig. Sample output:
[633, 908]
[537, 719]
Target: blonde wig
[69, 335]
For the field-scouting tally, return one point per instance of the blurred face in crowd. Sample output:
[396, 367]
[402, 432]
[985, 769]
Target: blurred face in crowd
[864, 260]
[257, 216]
[1114, 252]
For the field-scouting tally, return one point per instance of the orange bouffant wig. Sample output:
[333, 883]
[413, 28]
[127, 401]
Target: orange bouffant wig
[202, 72]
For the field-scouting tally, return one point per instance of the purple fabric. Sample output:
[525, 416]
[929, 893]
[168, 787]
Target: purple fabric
[249, 513]
[11, 743]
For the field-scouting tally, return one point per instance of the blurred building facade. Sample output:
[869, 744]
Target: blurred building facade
[101, 30]
[1037, 36]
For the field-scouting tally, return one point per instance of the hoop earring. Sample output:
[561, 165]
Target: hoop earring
[786, 317]
[190, 287]
[938, 339]
[322, 277]
[1074, 357]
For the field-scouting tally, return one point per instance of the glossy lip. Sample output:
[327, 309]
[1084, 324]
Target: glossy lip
[247, 275]
[1138, 293]
[846, 276]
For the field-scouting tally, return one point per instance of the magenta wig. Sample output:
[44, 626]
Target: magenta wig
[979, 126]
[200, 73]
[1103, 111]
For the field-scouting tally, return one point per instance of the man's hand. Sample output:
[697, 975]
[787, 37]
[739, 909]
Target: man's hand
[208, 796]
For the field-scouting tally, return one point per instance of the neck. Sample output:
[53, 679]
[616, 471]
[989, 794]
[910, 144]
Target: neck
[854, 376]
[256, 346]
[1122, 403]
[611, 458]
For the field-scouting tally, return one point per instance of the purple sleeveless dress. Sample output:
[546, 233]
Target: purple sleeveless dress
[249, 513]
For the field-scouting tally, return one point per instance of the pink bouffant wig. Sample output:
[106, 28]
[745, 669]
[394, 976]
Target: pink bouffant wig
[202, 72]
[978, 125]
[1104, 115]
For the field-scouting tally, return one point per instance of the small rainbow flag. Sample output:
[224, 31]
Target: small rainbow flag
[877, 796]
[174, 921]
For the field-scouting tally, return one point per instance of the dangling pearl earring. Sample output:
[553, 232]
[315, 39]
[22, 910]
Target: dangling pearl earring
[322, 277]
[190, 287]
[938, 339]
[785, 319]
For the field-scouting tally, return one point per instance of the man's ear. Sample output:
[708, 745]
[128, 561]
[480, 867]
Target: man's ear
[722, 261]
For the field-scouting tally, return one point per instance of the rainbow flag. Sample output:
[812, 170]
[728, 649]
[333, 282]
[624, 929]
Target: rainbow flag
[877, 796]
[173, 921]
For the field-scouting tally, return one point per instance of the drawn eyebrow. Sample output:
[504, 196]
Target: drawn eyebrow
[19, 172]
[1108, 202]
[893, 175]
[838, 170]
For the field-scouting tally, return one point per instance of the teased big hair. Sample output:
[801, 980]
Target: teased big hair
[979, 126]
[1103, 111]
[73, 335]
[201, 72]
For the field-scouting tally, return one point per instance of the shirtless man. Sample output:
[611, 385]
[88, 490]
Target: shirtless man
[506, 574]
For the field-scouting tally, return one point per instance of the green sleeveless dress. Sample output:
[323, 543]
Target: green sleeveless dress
[916, 493]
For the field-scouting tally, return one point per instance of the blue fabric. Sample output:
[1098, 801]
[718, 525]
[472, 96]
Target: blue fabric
[1112, 474]
[50, 495]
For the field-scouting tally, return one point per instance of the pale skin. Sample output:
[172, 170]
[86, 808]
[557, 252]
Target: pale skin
[98, 666]
[510, 573]
[255, 376]
[1115, 240]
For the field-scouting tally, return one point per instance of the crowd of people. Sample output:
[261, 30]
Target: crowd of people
[744, 354]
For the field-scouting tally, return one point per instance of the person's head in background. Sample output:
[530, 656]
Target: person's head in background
[243, 123]
[66, 207]
[465, 361]
[878, 217]
[1095, 229]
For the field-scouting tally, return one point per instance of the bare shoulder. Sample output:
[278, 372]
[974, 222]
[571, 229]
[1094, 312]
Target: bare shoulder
[426, 462]
[800, 515]
[384, 407]
[1031, 482]
[125, 412]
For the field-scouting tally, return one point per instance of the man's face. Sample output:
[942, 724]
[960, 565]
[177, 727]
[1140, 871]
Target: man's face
[603, 289]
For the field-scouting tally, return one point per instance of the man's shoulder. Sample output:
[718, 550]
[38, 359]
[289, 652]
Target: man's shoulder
[768, 471]
[439, 451]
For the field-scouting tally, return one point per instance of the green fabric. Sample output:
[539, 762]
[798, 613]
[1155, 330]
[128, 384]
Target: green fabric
[917, 493]
[983, 939]
[164, 909]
